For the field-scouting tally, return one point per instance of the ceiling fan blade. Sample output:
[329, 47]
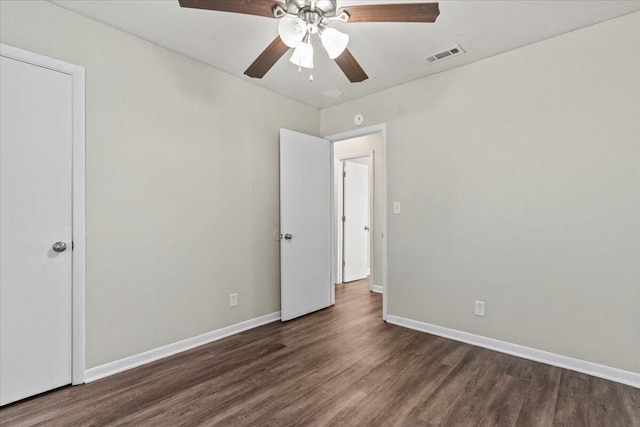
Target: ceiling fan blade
[248, 7]
[267, 59]
[405, 12]
[350, 67]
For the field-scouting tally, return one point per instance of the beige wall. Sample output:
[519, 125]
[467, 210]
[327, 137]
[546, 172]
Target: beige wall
[366, 143]
[519, 178]
[182, 183]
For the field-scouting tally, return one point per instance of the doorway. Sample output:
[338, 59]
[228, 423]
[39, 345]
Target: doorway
[363, 145]
[355, 200]
[309, 266]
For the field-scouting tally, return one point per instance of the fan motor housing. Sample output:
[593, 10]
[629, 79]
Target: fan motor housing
[324, 8]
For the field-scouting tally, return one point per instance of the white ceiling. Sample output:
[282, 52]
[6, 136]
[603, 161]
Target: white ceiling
[390, 53]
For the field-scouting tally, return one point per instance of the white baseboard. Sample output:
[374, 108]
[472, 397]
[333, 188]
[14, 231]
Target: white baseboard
[130, 362]
[377, 288]
[590, 368]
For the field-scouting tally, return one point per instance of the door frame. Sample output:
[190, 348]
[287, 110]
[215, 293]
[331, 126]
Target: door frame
[340, 208]
[78, 256]
[382, 129]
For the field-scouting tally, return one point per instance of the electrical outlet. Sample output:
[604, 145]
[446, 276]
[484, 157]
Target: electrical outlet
[233, 300]
[397, 208]
[480, 308]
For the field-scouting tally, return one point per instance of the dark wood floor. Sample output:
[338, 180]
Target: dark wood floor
[341, 366]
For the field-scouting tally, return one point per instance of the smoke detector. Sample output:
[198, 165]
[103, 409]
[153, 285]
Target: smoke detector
[454, 51]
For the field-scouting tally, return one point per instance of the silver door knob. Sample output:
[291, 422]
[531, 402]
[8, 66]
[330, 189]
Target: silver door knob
[288, 236]
[59, 246]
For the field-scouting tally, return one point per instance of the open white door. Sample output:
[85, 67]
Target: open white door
[356, 225]
[305, 224]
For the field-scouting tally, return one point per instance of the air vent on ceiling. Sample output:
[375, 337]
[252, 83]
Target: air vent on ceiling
[454, 51]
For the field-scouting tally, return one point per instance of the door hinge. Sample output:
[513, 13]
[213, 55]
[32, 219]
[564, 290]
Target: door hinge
[344, 174]
[344, 263]
[344, 218]
[73, 245]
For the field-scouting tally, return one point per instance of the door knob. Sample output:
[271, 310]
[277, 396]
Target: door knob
[288, 236]
[366, 228]
[59, 246]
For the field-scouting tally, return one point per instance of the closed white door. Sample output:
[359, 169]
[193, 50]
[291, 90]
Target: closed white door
[305, 224]
[355, 221]
[35, 214]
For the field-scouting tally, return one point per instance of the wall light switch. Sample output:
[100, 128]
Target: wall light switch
[233, 300]
[397, 208]
[480, 308]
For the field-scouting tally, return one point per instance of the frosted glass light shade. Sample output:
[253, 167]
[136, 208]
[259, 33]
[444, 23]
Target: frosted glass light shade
[303, 55]
[292, 30]
[334, 42]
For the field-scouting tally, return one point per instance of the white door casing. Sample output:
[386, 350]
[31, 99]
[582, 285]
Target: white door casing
[356, 225]
[305, 223]
[41, 202]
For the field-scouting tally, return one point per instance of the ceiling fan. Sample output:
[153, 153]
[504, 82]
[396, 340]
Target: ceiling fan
[302, 19]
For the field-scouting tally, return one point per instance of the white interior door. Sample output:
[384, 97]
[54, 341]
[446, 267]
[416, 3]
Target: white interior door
[35, 212]
[355, 221]
[305, 224]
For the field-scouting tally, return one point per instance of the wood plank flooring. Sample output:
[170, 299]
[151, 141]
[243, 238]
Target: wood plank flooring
[342, 366]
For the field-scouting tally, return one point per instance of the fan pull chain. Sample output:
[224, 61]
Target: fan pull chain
[299, 70]
[310, 77]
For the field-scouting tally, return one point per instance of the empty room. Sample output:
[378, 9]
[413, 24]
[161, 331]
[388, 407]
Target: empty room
[319, 212]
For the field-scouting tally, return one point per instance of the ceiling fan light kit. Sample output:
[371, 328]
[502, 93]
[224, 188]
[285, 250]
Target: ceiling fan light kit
[334, 42]
[292, 30]
[300, 19]
[303, 55]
